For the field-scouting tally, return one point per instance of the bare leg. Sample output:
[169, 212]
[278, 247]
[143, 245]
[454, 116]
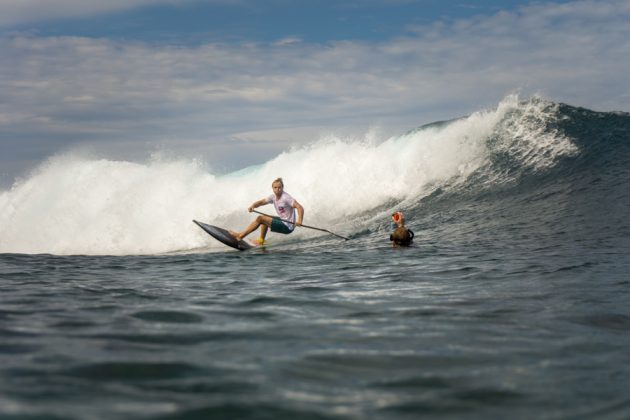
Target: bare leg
[265, 221]
[263, 231]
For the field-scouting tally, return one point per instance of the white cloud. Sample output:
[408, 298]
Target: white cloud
[80, 89]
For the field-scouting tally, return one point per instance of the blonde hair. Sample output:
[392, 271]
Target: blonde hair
[277, 180]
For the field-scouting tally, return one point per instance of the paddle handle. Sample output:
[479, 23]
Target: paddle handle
[305, 226]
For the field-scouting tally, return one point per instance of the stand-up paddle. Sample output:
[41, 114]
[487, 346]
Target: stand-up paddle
[304, 226]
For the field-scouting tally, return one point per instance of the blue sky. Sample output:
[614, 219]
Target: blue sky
[198, 21]
[235, 82]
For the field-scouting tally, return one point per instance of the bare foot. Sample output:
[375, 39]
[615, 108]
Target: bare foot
[258, 242]
[236, 235]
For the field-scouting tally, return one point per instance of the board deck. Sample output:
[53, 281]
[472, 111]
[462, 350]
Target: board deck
[223, 236]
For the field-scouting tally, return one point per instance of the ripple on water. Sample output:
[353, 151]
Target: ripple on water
[137, 371]
[609, 321]
[248, 410]
[169, 317]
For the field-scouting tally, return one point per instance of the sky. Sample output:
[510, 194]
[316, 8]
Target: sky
[236, 82]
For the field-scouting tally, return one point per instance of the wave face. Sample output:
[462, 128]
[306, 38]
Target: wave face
[529, 163]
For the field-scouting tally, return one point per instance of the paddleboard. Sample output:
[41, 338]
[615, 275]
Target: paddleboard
[223, 236]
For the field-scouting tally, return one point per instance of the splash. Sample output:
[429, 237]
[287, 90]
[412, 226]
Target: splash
[77, 205]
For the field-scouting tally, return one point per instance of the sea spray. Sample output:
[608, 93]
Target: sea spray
[77, 205]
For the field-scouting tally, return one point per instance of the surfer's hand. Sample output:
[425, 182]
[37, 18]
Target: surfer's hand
[250, 209]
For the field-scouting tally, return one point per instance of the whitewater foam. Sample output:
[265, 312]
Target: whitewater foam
[73, 204]
[526, 136]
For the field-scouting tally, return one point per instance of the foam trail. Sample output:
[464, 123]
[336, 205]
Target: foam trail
[76, 205]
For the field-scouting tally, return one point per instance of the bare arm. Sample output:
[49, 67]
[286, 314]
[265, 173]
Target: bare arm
[300, 211]
[258, 203]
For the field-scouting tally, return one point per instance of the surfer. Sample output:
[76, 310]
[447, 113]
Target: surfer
[286, 207]
[401, 236]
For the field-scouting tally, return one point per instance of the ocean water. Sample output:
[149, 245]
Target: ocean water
[512, 303]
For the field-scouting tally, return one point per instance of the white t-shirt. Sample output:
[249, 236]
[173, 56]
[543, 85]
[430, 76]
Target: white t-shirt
[284, 207]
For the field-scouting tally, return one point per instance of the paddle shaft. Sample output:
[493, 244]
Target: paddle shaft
[305, 226]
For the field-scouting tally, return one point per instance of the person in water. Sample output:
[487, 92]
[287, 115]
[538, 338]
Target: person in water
[286, 207]
[401, 236]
